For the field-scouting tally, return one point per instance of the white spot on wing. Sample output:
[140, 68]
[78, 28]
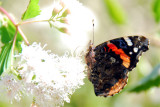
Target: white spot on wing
[139, 47]
[130, 53]
[135, 49]
[129, 42]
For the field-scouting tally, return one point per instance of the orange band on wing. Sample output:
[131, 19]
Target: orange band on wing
[126, 60]
[105, 49]
[123, 56]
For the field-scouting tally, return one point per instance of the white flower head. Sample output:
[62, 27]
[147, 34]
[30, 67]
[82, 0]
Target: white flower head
[78, 22]
[49, 78]
[11, 87]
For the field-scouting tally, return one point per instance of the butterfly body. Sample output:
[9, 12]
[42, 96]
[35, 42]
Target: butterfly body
[110, 62]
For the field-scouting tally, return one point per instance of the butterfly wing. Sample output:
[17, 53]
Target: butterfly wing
[133, 47]
[110, 62]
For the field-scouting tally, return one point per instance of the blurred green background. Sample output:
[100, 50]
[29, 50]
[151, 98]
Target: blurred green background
[115, 18]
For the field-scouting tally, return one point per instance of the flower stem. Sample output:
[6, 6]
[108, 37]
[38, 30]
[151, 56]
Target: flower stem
[27, 22]
[23, 36]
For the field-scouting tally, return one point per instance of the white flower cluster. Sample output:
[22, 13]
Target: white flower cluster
[50, 79]
[78, 22]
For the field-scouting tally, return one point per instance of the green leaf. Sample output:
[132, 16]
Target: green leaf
[115, 11]
[156, 10]
[5, 57]
[18, 47]
[7, 37]
[7, 32]
[33, 10]
[153, 79]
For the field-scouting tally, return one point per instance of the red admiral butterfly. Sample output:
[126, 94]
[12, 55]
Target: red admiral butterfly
[110, 62]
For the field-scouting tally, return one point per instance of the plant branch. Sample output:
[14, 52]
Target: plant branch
[13, 46]
[6, 13]
[17, 27]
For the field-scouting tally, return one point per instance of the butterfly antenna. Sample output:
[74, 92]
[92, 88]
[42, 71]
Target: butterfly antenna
[93, 30]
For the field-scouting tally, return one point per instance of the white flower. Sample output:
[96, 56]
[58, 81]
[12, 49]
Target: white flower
[50, 79]
[11, 87]
[79, 22]
[47, 77]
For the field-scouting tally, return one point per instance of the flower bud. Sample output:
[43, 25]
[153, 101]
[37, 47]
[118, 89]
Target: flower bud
[62, 4]
[64, 20]
[55, 12]
[63, 30]
[66, 12]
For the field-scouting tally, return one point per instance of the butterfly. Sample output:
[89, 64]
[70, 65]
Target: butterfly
[110, 62]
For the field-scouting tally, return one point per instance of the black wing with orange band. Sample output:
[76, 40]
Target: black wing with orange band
[129, 49]
[110, 62]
